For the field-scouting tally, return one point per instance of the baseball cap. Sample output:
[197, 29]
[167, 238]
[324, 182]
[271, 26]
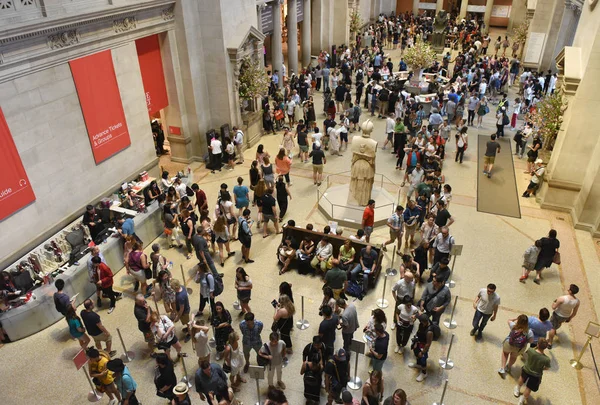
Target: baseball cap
[539, 161]
[341, 354]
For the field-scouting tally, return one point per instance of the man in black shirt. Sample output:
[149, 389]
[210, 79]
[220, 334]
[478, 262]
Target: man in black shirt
[303, 145]
[315, 348]
[443, 217]
[269, 206]
[327, 330]
[142, 313]
[94, 327]
[93, 221]
[491, 148]
[378, 352]
[340, 96]
[318, 160]
[337, 374]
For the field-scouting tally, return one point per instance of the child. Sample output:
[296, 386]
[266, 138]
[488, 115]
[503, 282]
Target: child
[529, 258]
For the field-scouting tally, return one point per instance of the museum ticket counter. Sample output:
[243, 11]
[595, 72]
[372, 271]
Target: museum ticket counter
[39, 312]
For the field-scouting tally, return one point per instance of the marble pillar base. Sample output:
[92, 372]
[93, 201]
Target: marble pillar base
[253, 128]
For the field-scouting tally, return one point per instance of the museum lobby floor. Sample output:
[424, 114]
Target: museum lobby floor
[41, 367]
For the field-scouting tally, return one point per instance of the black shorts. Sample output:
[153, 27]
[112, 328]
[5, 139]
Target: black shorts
[245, 240]
[231, 221]
[390, 136]
[354, 120]
[344, 137]
[532, 382]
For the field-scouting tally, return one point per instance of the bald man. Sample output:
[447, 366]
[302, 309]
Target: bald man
[403, 287]
[95, 251]
[142, 313]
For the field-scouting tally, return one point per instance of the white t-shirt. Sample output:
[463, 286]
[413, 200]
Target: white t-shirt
[163, 324]
[317, 136]
[482, 88]
[538, 175]
[389, 125]
[487, 302]
[215, 145]
[239, 137]
[290, 105]
[462, 139]
[407, 312]
[202, 347]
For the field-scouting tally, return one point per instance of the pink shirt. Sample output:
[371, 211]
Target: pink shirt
[283, 165]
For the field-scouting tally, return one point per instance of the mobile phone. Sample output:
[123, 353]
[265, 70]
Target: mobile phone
[274, 303]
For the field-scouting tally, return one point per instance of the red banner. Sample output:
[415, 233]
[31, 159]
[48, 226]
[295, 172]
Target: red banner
[153, 75]
[15, 190]
[100, 100]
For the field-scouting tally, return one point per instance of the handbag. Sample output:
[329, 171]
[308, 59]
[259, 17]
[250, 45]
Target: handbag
[226, 368]
[278, 115]
[148, 273]
[556, 258]
[162, 344]
[168, 231]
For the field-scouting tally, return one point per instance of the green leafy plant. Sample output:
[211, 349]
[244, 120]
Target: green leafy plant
[420, 56]
[547, 117]
[355, 22]
[519, 33]
[253, 80]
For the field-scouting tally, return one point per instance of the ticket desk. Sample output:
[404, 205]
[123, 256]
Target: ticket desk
[39, 312]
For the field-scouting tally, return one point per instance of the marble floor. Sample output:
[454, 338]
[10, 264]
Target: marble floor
[39, 369]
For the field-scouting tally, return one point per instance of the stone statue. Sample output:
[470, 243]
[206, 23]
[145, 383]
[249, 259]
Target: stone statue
[362, 172]
[438, 38]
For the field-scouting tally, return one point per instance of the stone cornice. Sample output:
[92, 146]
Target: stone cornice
[28, 51]
[43, 27]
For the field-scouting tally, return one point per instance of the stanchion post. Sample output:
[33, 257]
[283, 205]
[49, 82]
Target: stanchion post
[392, 271]
[455, 250]
[185, 378]
[212, 342]
[383, 303]
[189, 290]
[443, 394]
[93, 395]
[127, 356]
[447, 363]
[357, 347]
[302, 323]
[451, 323]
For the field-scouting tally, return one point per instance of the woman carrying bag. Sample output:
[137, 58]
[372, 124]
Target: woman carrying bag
[164, 376]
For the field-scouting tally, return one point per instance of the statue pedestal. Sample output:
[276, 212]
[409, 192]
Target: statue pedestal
[334, 206]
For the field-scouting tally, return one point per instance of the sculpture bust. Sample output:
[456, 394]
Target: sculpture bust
[362, 172]
[440, 22]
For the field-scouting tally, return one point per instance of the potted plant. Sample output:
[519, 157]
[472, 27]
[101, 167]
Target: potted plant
[355, 24]
[419, 57]
[253, 82]
[519, 36]
[547, 118]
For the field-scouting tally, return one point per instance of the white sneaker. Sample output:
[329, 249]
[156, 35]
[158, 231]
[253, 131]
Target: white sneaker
[413, 365]
[422, 376]
[393, 326]
[397, 349]
[111, 309]
[522, 401]
[517, 391]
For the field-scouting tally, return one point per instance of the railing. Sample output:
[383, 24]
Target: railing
[356, 216]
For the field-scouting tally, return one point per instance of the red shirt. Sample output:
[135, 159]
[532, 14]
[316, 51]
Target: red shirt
[368, 217]
[200, 198]
[105, 275]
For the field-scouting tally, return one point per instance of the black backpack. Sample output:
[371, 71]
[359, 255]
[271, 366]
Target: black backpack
[435, 329]
[261, 360]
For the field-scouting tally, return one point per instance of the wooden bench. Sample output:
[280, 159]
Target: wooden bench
[299, 234]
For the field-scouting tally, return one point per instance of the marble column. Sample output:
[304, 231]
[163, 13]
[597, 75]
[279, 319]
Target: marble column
[488, 13]
[416, 7]
[463, 9]
[306, 34]
[439, 5]
[292, 36]
[276, 52]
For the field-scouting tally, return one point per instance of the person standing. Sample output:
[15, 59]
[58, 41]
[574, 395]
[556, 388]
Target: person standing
[235, 360]
[564, 309]
[348, 322]
[403, 287]
[421, 345]
[540, 325]
[95, 251]
[390, 123]
[486, 307]
[435, 299]
[327, 329]
[182, 307]
[105, 281]
[210, 379]
[238, 141]
[283, 318]
[379, 350]
[547, 256]
[491, 148]
[245, 234]
[405, 319]
[62, 302]
[199, 332]
[251, 339]
[442, 244]
[270, 212]
[337, 373]
[368, 219]
[532, 371]
[274, 352]
[143, 314]
[199, 240]
[216, 151]
[318, 160]
[471, 107]
[462, 143]
[396, 225]
[93, 325]
[529, 259]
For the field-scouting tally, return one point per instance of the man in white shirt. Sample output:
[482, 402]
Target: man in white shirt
[552, 84]
[216, 150]
[536, 177]
[290, 106]
[403, 287]
[486, 307]
[238, 140]
[389, 129]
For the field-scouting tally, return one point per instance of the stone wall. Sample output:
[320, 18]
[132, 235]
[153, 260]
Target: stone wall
[43, 113]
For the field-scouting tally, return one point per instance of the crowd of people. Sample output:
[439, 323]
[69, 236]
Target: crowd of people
[420, 229]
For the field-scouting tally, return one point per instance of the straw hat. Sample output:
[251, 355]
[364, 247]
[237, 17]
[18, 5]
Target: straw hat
[180, 389]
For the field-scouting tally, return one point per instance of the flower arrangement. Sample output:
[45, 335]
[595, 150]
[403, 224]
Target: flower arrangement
[547, 117]
[253, 81]
[355, 22]
[420, 56]
[519, 33]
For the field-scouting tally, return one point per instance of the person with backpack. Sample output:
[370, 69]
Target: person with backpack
[182, 306]
[421, 343]
[271, 355]
[221, 321]
[337, 372]
[102, 375]
[62, 302]
[515, 343]
[104, 277]
[312, 373]
[207, 289]
[435, 299]
[501, 120]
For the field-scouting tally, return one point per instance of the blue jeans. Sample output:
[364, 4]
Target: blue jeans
[480, 320]
[421, 361]
[354, 276]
